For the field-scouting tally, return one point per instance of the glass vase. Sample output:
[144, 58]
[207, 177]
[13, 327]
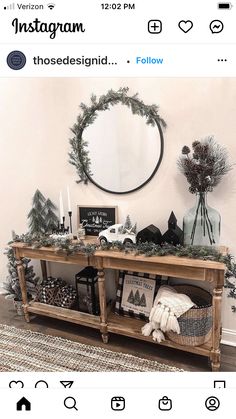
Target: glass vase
[202, 223]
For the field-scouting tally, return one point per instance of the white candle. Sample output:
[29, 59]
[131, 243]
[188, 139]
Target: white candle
[68, 195]
[61, 208]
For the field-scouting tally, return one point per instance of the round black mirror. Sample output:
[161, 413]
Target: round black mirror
[121, 150]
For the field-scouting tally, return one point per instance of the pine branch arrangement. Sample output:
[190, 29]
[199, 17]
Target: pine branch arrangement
[79, 154]
[206, 166]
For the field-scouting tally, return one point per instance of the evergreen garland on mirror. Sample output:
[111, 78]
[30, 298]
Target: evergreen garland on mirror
[79, 154]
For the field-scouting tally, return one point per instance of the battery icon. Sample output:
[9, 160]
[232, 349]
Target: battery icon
[225, 6]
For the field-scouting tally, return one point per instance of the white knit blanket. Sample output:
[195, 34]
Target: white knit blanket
[167, 307]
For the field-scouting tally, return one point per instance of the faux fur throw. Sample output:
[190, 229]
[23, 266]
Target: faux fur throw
[168, 306]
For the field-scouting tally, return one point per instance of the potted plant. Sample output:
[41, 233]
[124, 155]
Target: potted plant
[12, 284]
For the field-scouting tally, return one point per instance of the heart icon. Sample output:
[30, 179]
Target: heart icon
[16, 384]
[185, 25]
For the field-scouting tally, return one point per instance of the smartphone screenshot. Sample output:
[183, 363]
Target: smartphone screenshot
[118, 201]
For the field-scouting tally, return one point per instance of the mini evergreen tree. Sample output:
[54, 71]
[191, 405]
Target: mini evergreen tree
[51, 219]
[42, 217]
[137, 298]
[128, 227]
[131, 297]
[12, 285]
[36, 215]
[128, 224]
[143, 302]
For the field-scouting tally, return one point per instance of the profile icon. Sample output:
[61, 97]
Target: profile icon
[212, 403]
[16, 60]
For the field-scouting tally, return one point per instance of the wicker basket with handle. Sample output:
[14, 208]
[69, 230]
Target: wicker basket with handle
[196, 323]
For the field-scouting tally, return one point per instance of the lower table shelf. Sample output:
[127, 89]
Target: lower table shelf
[65, 314]
[120, 325]
[132, 327]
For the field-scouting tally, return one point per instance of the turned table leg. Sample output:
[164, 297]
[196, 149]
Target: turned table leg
[216, 328]
[44, 269]
[103, 305]
[22, 281]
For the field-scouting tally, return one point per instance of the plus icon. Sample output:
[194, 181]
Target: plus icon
[154, 26]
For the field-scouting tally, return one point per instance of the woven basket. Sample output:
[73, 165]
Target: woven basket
[65, 297]
[46, 295]
[47, 291]
[196, 323]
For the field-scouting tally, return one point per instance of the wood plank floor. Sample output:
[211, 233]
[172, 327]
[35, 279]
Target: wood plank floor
[188, 362]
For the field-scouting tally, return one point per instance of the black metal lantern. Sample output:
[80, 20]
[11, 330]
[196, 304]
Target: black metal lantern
[87, 301]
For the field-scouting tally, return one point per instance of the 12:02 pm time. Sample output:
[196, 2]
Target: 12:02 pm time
[118, 6]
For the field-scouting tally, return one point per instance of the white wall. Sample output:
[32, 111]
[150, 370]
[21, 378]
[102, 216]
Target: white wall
[35, 116]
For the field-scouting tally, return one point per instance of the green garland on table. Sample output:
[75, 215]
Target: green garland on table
[60, 245]
[148, 249]
[79, 154]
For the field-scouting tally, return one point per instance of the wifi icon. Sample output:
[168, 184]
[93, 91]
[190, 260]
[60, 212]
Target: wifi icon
[51, 6]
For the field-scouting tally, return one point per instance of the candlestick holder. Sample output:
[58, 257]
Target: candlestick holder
[70, 218]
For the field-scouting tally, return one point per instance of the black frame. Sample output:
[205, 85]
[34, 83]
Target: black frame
[90, 230]
[146, 181]
[129, 313]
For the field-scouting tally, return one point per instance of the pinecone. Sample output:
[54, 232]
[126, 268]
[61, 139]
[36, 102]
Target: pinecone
[185, 150]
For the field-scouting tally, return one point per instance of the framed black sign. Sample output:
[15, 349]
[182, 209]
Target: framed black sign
[135, 294]
[95, 219]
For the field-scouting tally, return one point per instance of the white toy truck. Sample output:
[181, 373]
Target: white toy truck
[115, 233]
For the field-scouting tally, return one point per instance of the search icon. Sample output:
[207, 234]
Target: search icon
[70, 403]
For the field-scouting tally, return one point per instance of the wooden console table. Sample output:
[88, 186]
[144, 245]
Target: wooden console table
[172, 266]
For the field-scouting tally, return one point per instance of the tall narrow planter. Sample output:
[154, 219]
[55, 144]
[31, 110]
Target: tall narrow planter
[202, 223]
[18, 306]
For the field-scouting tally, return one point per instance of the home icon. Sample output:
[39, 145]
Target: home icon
[23, 404]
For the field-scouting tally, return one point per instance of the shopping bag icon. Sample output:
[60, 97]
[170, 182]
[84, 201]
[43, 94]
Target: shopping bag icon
[165, 403]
